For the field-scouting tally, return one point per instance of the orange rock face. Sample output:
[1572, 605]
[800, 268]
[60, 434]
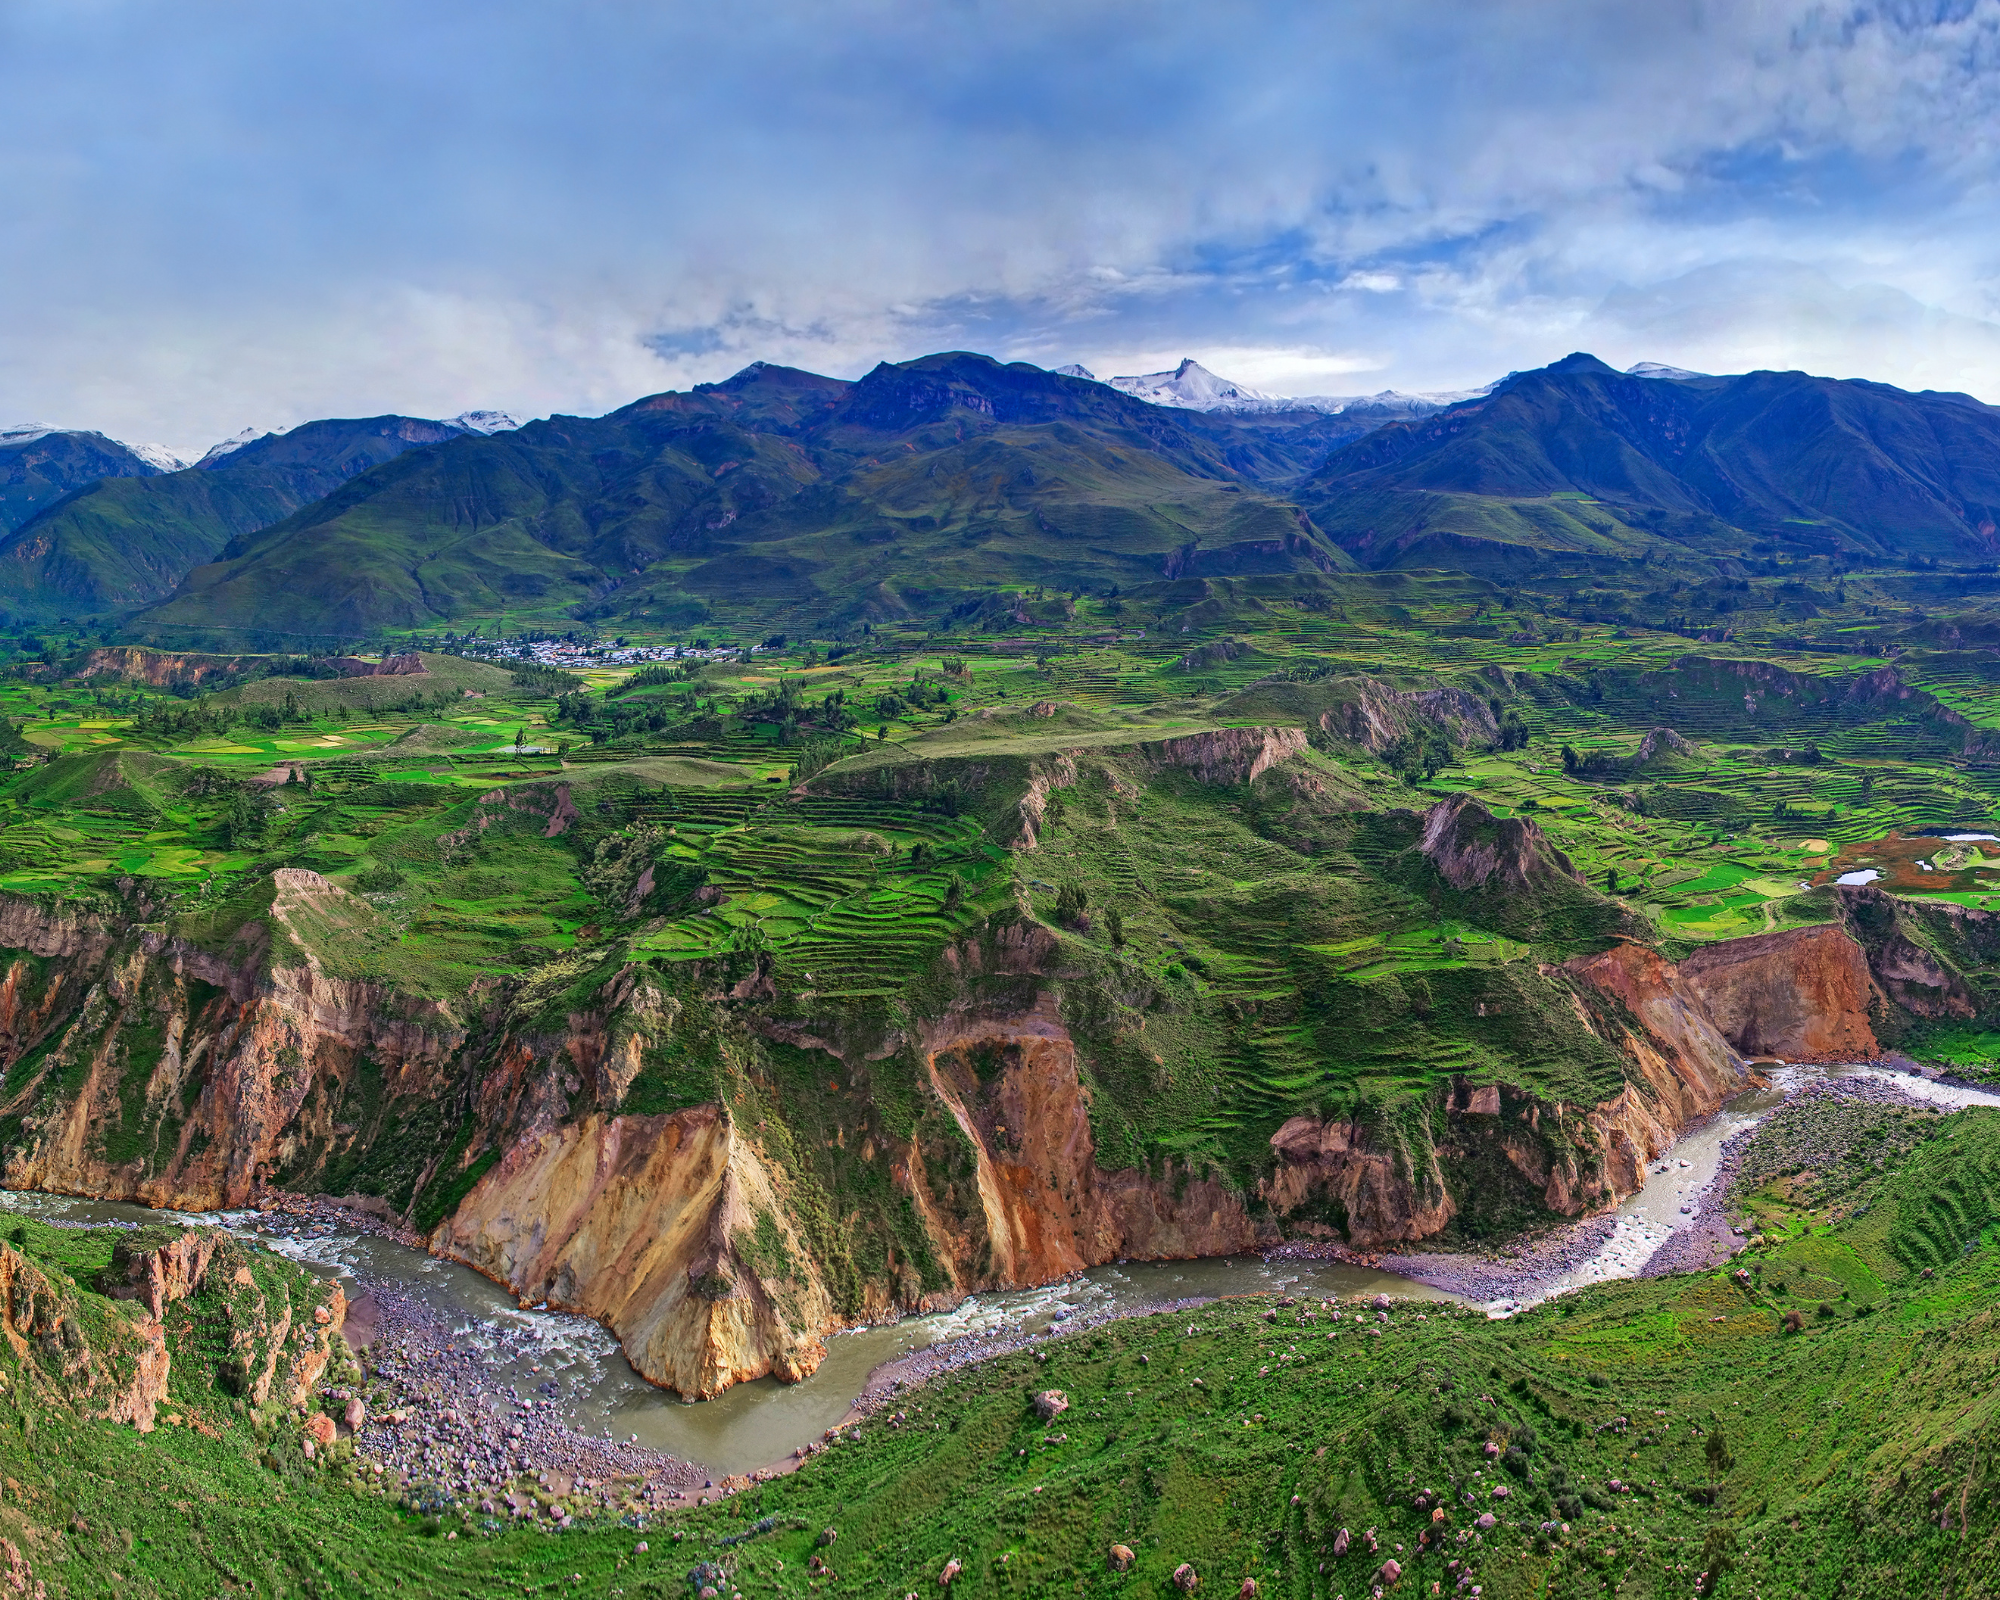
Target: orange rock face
[645, 1223]
[1803, 995]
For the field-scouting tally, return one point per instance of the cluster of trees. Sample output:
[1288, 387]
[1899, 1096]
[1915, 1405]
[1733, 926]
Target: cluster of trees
[645, 678]
[193, 719]
[1419, 755]
[603, 721]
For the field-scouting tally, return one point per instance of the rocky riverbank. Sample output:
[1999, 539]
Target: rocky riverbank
[1819, 1130]
[437, 1428]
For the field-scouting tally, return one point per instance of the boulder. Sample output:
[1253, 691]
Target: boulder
[1186, 1579]
[1248, 1591]
[1389, 1572]
[1341, 1541]
[1486, 1520]
[356, 1415]
[320, 1429]
[1122, 1557]
[1050, 1404]
[952, 1569]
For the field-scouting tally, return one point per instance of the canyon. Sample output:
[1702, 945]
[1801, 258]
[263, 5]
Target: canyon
[700, 1236]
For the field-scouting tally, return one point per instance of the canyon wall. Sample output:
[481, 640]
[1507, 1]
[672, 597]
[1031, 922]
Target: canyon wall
[724, 1236]
[1801, 995]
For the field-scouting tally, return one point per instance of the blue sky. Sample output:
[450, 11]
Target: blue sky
[228, 215]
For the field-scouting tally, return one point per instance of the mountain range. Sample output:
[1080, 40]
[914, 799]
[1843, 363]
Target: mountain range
[39, 465]
[103, 528]
[925, 488]
[1193, 387]
[1577, 461]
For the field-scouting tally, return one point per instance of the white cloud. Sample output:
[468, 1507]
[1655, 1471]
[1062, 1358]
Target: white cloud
[218, 216]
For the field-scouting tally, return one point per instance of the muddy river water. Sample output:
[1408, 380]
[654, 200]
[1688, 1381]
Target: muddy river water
[579, 1365]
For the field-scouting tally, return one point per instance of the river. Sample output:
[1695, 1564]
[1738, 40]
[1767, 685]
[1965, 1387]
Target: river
[579, 1365]
[1676, 1182]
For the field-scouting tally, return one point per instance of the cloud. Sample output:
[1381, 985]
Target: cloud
[220, 214]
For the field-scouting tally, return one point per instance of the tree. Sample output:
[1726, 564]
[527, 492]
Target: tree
[1720, 1461]
[520, 738]
[1611, 879]
[1715, 1557]
[243, 821]
[1115, 921]
[1071, 902]
[1569, 759]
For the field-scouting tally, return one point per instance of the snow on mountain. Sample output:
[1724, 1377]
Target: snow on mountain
[1192, 387]
[484, 422]
[236, 442]
[156, 456]
[1659, 369]
[1076, 370]
[1389, 403]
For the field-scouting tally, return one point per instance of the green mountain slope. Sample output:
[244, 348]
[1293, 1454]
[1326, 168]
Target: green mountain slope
[778, 495]
[123, 541]
[1580, 459]
[37, 469]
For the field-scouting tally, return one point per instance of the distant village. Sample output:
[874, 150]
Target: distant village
[570, 654]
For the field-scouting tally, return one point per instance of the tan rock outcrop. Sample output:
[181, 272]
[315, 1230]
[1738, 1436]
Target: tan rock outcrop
[1472, 848]
[1804, 994]
[115, 1367]
[1382, 1199]
[1047, 1208]
[1227, 755]
[645, 1223]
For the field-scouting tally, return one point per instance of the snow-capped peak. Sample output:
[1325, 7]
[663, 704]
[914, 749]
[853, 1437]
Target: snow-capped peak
[157, 456]
[236, 442]
[1076, 369]
[484, 422]
[1659, 369]
[1191, 386]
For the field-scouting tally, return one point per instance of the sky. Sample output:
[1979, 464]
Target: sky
[219, 214]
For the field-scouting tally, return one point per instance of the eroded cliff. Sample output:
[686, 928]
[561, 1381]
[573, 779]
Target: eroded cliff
[724, 1166]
